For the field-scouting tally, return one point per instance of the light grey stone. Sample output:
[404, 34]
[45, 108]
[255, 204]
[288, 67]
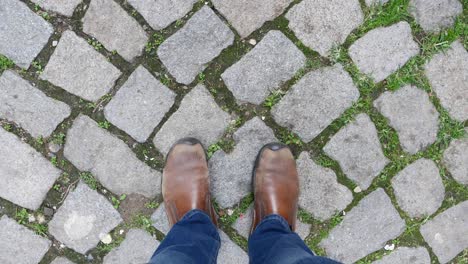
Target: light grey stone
[435, 15]
[189, 51]
[198, 116]
[114, 28]
[231, 174]
[384, 50]
[375, 2]
[365, 229]
[315, 101]
[320, 193]
[61, 260]
[357, 149]
[419, 189]
[412, 115]
[139, 105]
[138, 247]
[62, 7]
[230, 252]
[405, 255]
[84, 218]
[27, 106]
[161, 13]
[79, 69]
[160, 221]
[447, 233]
[110, 160]
[243, 224]
[448, 75]
[273, 61]
[25, 175]
[24, 34]
[246, 16]
[322, 25]
[20, 245]
[456, 159]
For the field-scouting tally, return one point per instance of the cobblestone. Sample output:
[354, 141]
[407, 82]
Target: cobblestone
[138, 247]
[322, 25]
[91, 148]
[139, 105]
[435, 15]
[83, 219]
[273, 61]
[456, 159]
[61, 260]
[24, 33]
[79, 69]
[315, 101]
[375, 2]
[27, 106]
[383, 50]
[189, 51]
[412, 115]
[347, 147]
[65, 8]
[405, 255]
[159, 219]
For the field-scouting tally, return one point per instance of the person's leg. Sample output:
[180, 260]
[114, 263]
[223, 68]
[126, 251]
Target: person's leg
[276, 192]
[186, 192]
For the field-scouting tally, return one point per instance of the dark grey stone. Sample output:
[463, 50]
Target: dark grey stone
[435, 15]
[110, 160]
[23, 33]
[114, 28]
[405, 255]
[315, 101]
[79, 69]
[138, 247]
[447, 233]
[84, 218]
[384, 50]
[456, 159]
[322, 25]
[65, 8]
[139, 105]
[365, 229]
[357, 149]
[27, 106]
[25, 175]
[272, 62]
[189, 51]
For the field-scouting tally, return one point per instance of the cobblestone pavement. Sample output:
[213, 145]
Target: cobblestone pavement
[371, 95]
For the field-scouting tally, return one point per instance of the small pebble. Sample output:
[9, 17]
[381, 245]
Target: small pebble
[263, 118]
[48, 211]
[357, 189]
[121, 231]
[107, 239]
[54, 148]
[252, 42]
[230, 211]
[389, 247]
[40, 219]
[31, 218]
[54, 43]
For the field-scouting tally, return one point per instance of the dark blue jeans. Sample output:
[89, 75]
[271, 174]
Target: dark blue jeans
[195, 239]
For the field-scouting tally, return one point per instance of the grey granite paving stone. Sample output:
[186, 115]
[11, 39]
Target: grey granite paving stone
[61, 260]
[65, 8]
[412, 115]
[375, 2]
[419, 189]
[447, 233]
[161, 13]
[189, 51]
[384, 50]
[231, 174]
[448, 75]
[435, 15]
[230, 252]
[456, 159]
[243, 224]
[198, 116]
[320, 193]
[139, 105]
[114, 28]
[315, 101]
[365, 229]
[272, 62]
[19, 245]
[27, 106]
[406, 255]
[110, 160]
[357, 149]
[83, 219]
[24, 33]
[322, 25]
[246, 16]
[25, 175]
[79, 69]
[138, 247]
[159, 219]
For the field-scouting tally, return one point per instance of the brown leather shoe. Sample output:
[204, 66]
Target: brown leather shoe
[276, 184]
[185, 181]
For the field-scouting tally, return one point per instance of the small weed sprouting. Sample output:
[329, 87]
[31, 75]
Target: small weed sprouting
[7, 127]
[59, 138]
[54, 161]
[5, 63]
[156, 40]
[104, 124]
[57, 187]
[152, 205]
[38, 66]
[116, 201]
[273, 98]
[212, 149]
[201, 77]
[88, 178]
[96, 44]
[22, 216]
[40, 141]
